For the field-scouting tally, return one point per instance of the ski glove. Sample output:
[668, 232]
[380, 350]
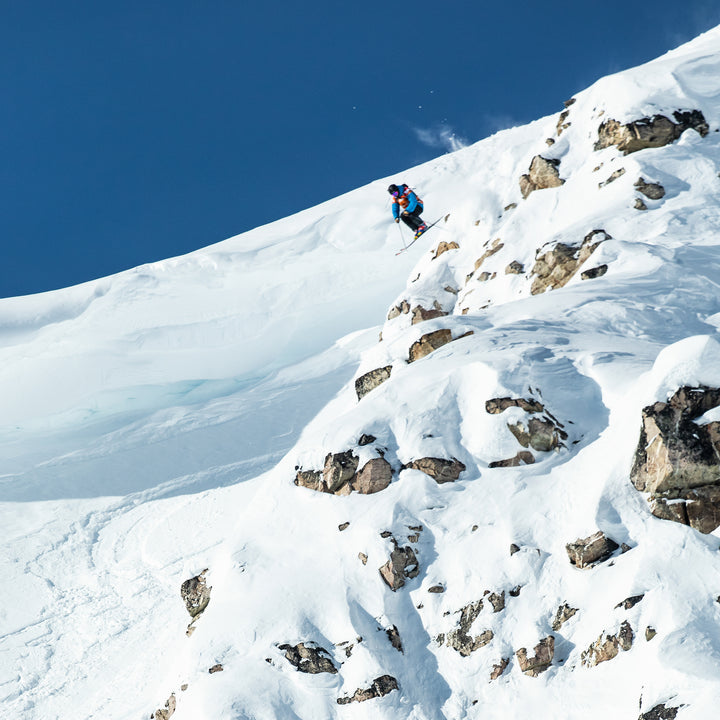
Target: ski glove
[397, 220]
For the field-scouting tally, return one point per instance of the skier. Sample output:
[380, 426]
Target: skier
[412, 206]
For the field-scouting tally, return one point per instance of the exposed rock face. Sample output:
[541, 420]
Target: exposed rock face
[496, 247]
[654, 191]
[630, 602]
[499, 668]
[555, 267]
[309, 658]
[524, 457]
[613, 177]
[678, 461]
[460, 639]
[515, 268]
[593, 273]
[438, 469]
[497, 600]
[394, 637]
[587, 551]
[652, 132]
[497, 405]
[540, 434]
[375, 476]
[542, 659]
[420, 314]
[606, 647]
[170, 706]
[563, 614]
[660, 712]
[402, 565]
[443, 247]
[340, 469]
[402, 309]
[380, 687]
[543, 174]
[196, 594]
[369, 381]
[429, 342]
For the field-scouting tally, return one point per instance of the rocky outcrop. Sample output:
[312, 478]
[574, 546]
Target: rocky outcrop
[515, 268]
[497, 600]
[613, 177]
[309, 658]
[496, 247]
[370, 380]
[339, 470]
[439, 469]
[402, 309]
[499, 668]
[443, 247]
[649, 132]
[660, 712]
[543, 174]
[542, 659]
[677, 461]
[606, 647]
[420, 314]
[630, 602]
[524, 457]
[380, 687]
[375, 476]
[563, 614]
[654, 191]
[428, 343]
[340, 476]
[460, 639]
[593, 273]
[215, 668]
[401, 566]
[554, 268]
[585, 552]
[495, 406]
[196, 596]
[541, 434]
[168, 711]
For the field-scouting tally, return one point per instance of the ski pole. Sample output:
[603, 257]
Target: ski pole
[402, 237]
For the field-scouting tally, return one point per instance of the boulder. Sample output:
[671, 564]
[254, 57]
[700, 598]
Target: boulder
[375, 476]
[370, 380]
[460, 639]
[593, 273]
[524, 457]
[542, 659]
[309, 658]
[606, 647]
[311, 479]
[540, 434]
[563, 614]
[216, 668]
[420, 314]
[649, 132]
[196, 594]
[380, 687]
[654, 191]
[393, 635]
[543, 174]
[585, 552]
[497, 600]
[495, 406]
[515, 268]
[402, 309]
[402, 565]
[554, 268]
[168, 711]
[438, 469]
[428, 343]
[639, 204]
[660, 712]
[443, 247]
[339, 470]
[630, 602]
[499, 668]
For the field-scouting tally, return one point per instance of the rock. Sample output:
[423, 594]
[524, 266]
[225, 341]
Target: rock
[216, 668]
[554, 268]
[561, 124]
[366, 440]
[593, 273]
[660, 712]
[460, 639]
[402, 565]
[420, 314]
[369, 381]
[543, 174]
[514, 268]
[499, 405]
[639, 204]
[513, 549]
[678, 461]
[394, 637]
[606, 647]
[499, 668]
[428, 343]
[343, 526]
[497, 601]
[613, 177]
[196, 594]
[541, 434]
[311, 479]
[650, 633]
[652, 132]
[596, 548]
[170, 706]
[438, 469]
[524, 457]
[542, 659]
[363, 558]
[485, 276]
[654, 191]
[443, 247]
[309, 658]
[436, 589]
[511, 206]
[380, 687]
[339, 470]
[402, 309]
[563, 614]
[375, 476]
[630, 602]
[496, 247]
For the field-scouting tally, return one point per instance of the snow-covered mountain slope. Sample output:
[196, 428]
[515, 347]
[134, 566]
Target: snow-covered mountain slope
[187, 416]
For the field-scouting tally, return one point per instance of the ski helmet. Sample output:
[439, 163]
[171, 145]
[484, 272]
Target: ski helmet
[393, 189]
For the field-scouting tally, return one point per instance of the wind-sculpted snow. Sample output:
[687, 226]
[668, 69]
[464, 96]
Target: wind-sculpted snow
[155, 423]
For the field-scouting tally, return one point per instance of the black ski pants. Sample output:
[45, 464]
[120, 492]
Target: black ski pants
[413, 219]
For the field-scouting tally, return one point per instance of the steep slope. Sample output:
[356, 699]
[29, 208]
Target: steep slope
[411, 553]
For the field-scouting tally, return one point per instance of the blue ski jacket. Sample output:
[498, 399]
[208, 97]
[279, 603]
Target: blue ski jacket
[407, 200]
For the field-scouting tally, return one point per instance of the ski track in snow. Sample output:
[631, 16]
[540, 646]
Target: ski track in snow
[153, 422]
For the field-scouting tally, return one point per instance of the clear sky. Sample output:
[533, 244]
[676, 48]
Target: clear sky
[138, 130]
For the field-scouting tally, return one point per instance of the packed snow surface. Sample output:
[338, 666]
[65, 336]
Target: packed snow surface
[153, 423]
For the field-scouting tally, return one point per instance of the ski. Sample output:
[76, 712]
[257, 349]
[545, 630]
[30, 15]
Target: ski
[414, 240]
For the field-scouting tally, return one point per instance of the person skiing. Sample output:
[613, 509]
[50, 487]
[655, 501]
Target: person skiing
[408, 206]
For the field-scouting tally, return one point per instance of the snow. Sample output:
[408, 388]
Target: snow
[153, 421]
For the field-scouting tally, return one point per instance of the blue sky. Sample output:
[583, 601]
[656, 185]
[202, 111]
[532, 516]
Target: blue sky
[135, 131]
